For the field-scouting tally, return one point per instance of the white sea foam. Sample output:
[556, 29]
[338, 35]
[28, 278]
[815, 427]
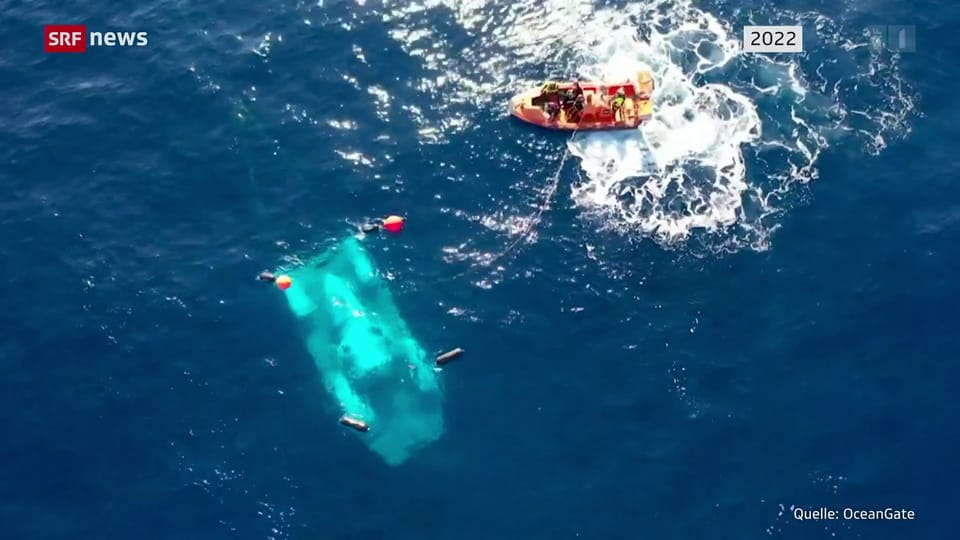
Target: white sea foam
[731, 132]
[684, 170]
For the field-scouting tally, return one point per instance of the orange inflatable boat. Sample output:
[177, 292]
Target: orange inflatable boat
[597, 114]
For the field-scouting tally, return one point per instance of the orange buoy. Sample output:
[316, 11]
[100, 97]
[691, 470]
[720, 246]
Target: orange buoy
[358, 425]
[284, 282]
[393, 224]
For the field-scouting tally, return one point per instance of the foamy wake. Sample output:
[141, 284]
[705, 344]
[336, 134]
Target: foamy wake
[731, 131]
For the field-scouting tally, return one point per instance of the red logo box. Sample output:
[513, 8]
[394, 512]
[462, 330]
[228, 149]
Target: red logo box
[65, 38]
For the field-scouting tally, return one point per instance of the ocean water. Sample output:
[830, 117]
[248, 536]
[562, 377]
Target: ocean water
[688, 331]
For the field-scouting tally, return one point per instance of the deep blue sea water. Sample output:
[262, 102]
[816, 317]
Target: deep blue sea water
[792, 346]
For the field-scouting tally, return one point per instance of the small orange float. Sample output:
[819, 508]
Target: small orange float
[283, 282]
[393, 224]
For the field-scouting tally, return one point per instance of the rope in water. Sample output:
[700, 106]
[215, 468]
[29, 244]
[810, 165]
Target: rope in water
[544, 204]
[536, 218]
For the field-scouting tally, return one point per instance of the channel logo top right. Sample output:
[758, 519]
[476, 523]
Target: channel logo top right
[894, 38]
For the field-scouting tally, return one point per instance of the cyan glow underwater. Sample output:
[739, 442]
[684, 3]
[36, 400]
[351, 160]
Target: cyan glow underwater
[369, 362]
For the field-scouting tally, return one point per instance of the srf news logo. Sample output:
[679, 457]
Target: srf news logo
[74, 38]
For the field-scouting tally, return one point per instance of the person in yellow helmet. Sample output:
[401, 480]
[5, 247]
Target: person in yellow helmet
[618, 101]
[549, 93]
[549, 87]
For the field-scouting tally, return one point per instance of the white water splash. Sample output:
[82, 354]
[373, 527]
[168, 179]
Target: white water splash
[684, 170]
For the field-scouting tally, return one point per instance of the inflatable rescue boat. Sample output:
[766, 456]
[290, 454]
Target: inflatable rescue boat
[597, 113]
